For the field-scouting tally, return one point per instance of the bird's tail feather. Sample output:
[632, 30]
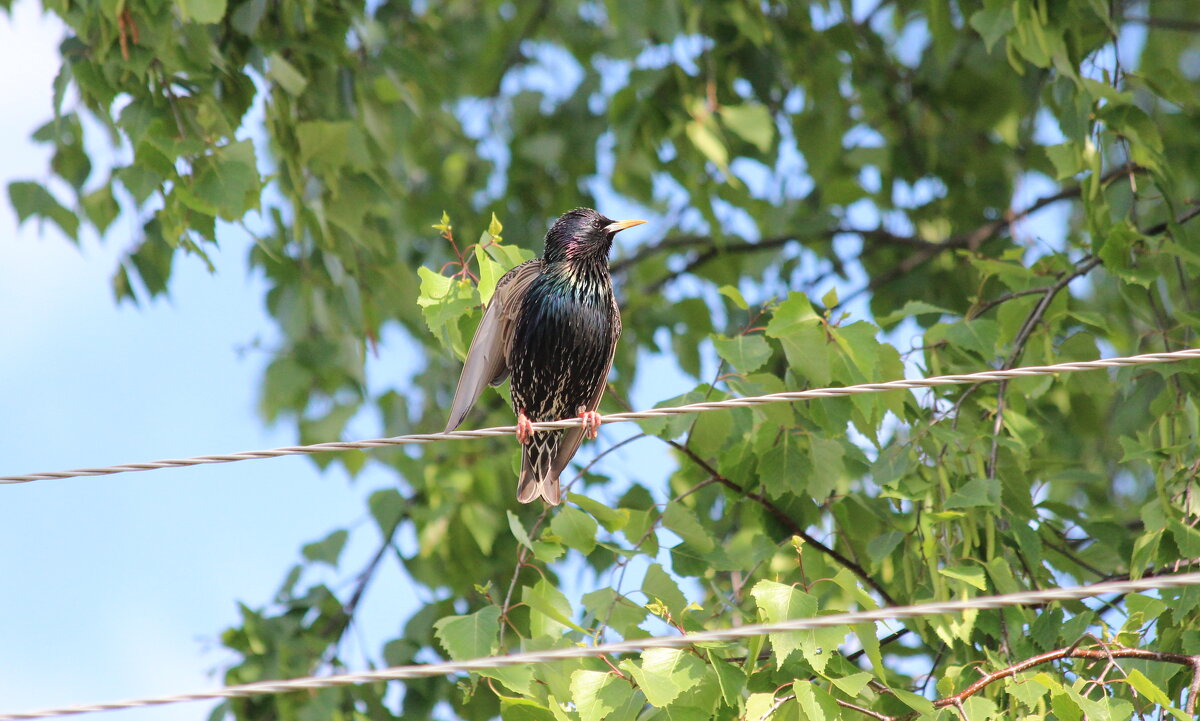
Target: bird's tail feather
[538, 477]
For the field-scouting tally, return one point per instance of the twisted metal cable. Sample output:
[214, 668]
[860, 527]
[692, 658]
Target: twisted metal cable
[786, 397]
[262, 688]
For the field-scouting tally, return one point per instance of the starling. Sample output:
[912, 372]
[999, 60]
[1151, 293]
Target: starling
[552, 325]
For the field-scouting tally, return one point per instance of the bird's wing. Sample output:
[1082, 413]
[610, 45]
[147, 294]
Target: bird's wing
[570, 443]
[487, 360]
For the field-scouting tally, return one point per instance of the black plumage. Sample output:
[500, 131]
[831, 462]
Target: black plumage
[552, 325]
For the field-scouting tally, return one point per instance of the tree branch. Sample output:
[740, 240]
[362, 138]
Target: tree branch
[788, 522]
[1058, 654]
[1186, 26]
[1104, 653]
[925, 250]
[1184, 217]
[1035, 317]
[972, 240]
[864, 710]
[339, 626]
[1019, 342]
[712, 249]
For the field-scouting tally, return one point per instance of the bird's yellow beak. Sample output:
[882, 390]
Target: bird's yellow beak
[622, 225]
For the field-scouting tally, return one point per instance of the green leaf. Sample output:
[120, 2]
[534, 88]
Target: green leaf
[328, 549]
[599, 694]
[558, 709]
[827, 467]
[853, 684]
[684, 523]
[865, 633]
[101, 208]
[483, 523]
[328, 146]
[472, 636]
[435, 287]
[971, 575]
[752, 122]
[522, 709]
[490, 273]
[659, 586]
[32, 200]
[816, 704]
[993, 24]
[226, 181]
[792, 315]
[443, 302]
[1145, 608]
[202, 11]
[910, 309]
[735, 295]
[759, 706]
[508, 256]
[881, 546]
[1066, 159]
[285, 75]
[975, 493]
[920, 704]
[613, 519]
[708, 144]
[664, 673]
[518, 530]
[640, 531]
[778, 602]
[1026, 691]
[1186, 537]
[387, 508]
[495, 228]
[979, 335]
[518, 678]
[784, 468]
[731, 678]
[746, 353]
[575, 528]
[711, 431]
[551, 609]
[547, 551]
[621, 614]
[1153, 693]
[802, 334]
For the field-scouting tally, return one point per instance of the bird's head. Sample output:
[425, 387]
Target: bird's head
[583, 234]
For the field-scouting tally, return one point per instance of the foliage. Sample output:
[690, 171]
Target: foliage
[843, 192]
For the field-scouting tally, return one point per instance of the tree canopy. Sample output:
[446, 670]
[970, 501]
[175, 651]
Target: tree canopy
[842, 192]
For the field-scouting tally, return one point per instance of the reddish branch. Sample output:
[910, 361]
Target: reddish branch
[1192, 662]
[923, 251]
[1104, 654]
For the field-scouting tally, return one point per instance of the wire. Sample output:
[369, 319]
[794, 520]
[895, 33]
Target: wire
[788, 397]
[263, 688]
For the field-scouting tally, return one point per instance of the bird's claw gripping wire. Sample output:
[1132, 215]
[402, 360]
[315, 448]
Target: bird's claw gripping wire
[524, 428]
[591, 422]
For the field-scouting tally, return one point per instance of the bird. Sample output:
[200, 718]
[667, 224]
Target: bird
[552, 325]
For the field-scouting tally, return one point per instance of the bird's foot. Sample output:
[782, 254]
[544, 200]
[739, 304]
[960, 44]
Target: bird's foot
[591, 422]
[524, 428]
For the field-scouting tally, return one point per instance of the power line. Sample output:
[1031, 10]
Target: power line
[787, 397]
[263, 688]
